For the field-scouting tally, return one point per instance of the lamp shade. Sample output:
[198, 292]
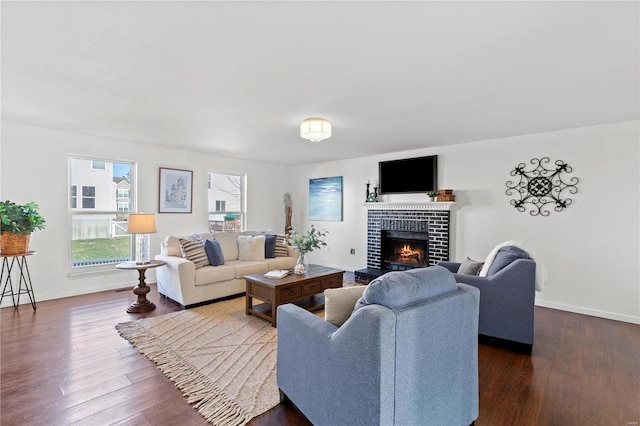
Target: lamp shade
[315, 129]
[141, 223]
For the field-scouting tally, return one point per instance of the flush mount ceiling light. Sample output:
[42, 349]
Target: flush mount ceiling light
[315, 129]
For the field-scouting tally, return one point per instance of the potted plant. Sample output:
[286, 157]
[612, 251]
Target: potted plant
[432, 195]
[305, 243]
[17, 222]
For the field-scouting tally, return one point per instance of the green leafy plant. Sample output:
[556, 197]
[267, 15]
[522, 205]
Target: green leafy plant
[432, 194]
[20, 219]
[305, 243]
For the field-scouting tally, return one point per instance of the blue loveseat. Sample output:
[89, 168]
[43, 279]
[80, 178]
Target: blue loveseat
[408, 355]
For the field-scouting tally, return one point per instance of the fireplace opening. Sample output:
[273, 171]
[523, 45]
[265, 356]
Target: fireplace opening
[403, 250]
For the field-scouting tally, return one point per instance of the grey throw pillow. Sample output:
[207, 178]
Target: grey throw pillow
[470, 267]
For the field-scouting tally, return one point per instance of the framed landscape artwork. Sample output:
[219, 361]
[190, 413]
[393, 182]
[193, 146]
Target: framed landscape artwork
[325, 198]
[176, 190]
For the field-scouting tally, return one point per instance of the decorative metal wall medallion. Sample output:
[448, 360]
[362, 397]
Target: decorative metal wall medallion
[542, 186]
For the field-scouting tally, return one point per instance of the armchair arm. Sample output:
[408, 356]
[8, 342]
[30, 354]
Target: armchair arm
[330, 373]
[507, 301]
[176, 273]
[451, 266]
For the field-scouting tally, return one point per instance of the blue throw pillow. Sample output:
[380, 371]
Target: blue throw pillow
[504, 257]
[214, 252]
[270, 246]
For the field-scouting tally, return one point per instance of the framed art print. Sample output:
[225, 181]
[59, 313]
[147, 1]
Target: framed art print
[325, 198]
[176, 189]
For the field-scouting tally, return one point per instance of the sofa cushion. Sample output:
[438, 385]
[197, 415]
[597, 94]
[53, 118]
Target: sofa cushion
[194, 251]
[171, 246]
[282, 246]
[281, 263]
[269, 246]
[214, 274]
[251, 247]
[214, 252]
[248, 267]
[504, 257]
[229, 244]
[340, 302]
[470, 267]
[401, 288]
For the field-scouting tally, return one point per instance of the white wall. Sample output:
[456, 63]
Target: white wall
[34, 168]
[590, 250]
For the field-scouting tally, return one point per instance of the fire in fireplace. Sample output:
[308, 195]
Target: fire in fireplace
[402, 250]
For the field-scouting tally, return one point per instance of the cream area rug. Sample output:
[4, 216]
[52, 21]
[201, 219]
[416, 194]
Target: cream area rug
[223, 360]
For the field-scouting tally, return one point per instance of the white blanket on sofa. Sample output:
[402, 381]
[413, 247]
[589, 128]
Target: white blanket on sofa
[541, 272]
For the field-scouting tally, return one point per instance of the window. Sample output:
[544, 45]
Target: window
[226, 201]
[74, 196]
[98, 212]
[88, 197]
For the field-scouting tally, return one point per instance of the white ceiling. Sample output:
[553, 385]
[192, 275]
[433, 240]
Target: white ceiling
[237, 78]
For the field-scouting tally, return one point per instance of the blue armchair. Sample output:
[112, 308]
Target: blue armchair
[408, 355]
[507, 300]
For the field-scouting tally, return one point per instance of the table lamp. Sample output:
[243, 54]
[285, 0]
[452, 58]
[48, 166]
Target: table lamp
[142, 224]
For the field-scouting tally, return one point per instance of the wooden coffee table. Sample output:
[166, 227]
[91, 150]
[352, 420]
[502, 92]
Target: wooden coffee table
[303, 290]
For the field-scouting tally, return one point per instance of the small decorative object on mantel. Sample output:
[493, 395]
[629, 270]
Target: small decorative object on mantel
[17, 224]
[306, 243]
[542, 186]
[431, 196]
[446, 195]
[372, 197]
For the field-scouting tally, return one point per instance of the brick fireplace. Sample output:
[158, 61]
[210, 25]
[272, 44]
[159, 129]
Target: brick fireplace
[430, 222]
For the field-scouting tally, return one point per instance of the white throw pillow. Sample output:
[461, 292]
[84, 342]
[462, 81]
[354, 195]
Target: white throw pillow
[171, 246]
[339, 303]
[251, 247]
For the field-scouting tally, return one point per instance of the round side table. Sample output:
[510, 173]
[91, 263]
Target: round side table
[142, 304]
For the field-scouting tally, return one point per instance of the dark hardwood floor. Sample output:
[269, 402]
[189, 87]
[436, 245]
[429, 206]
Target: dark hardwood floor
[66, 364]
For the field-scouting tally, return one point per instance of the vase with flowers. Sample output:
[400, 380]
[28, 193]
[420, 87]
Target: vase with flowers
[305, 243]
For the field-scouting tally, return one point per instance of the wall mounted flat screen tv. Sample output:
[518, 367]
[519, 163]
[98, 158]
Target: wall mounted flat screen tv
[409, 175]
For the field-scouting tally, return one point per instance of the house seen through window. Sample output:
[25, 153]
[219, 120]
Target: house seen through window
[100, 199]
[226, 201]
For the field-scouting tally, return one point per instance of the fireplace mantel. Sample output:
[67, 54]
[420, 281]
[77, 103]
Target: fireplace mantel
[438, 205]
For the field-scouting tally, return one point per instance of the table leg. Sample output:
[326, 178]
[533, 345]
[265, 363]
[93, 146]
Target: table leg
[25, 277]
[6, 269]
[142, 304]
[248, 299]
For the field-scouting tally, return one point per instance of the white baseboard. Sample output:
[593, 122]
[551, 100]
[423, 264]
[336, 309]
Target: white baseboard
[588, 311]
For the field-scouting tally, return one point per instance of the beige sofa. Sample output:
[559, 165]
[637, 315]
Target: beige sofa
[181, 281]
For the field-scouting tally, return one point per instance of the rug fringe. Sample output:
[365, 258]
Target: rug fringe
[205, 396]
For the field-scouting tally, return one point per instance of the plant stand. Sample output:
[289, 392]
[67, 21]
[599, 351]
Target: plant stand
[24, 278]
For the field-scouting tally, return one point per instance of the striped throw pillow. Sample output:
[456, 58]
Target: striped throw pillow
[194, 251]
[282, 246]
